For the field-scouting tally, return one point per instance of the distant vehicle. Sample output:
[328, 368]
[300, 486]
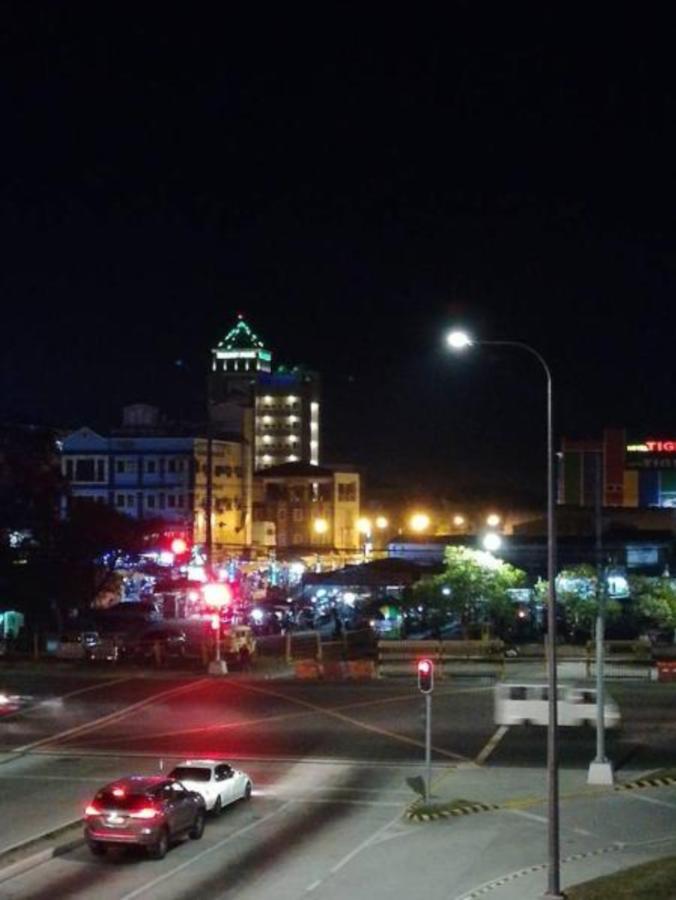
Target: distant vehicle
[171, 642]
[217, 782]
[238, 644]
[145, 811]
[527, 704]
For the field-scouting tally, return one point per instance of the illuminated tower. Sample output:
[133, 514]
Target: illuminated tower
[284, 403]
[235, 364]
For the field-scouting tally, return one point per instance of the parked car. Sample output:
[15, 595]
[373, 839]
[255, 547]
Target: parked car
[171, 642]
[146, 811]
[217, 782]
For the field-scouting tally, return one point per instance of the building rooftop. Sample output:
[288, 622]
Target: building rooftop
[241, 337]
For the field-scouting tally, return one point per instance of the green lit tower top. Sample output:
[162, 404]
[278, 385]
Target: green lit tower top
[237, 360]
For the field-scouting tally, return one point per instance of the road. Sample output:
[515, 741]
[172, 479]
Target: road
[330, 764]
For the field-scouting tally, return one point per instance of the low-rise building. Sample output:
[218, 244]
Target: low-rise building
[312, 507]
[163, 475]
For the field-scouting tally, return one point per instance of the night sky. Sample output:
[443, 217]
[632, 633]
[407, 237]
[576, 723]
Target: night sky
[353, 187]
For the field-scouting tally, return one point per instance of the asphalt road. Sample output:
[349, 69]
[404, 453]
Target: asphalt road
[330, 764]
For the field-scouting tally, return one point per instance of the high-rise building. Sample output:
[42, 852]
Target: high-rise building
[285, 401]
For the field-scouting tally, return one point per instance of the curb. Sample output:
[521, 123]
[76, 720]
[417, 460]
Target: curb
[41, 856]
[414, 815]
[644, 783]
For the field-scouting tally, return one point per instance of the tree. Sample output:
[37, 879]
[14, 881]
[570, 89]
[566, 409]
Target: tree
[473, 588]
[577, 594]
[655, 600]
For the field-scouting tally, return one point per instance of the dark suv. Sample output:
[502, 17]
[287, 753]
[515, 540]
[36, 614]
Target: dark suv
[148, 811]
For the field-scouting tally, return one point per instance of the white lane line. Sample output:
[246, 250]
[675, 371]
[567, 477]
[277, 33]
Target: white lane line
[526, 815]
[231, 837]
[50, 701]
[364, 844]
[112, 717]
[315, 884]
[491, 745]
[653, 800]
[535, 818]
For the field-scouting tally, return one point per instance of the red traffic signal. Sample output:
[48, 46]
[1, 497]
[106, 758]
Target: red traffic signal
[425, 675]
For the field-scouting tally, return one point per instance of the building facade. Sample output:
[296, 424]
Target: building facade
[285, 401]
[636, 473]
[311, 507]
[163, 476]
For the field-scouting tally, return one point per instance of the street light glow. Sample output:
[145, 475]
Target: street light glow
[420, 522]
[381, 522]
[321, 526]
[492, 541]
[458, 340]
[458, 521]
[493, 520]
[364, 525]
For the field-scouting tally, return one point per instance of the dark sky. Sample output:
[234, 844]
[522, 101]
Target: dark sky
[353, 187]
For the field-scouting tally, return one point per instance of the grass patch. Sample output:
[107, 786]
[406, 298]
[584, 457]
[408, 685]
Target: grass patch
[650, 881]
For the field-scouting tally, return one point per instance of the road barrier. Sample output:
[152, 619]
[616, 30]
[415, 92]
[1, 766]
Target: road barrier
[400, 657]
[622, 659]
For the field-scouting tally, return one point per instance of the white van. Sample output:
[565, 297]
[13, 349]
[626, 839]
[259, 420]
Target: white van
[522, 704]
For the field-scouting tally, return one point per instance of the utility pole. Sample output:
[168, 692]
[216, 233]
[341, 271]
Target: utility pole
[600, 769]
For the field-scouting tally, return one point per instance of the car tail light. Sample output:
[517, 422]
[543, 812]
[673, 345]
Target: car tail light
[92, 810]
[148, 812]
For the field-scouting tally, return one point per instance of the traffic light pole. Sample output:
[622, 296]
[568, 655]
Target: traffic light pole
[428, 747]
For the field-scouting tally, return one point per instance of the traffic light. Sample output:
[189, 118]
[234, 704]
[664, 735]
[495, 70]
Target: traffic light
[425, 676]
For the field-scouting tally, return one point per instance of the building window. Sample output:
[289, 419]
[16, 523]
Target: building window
[180, 501]
[238, 471]
[69, 469]
[180, 465]
[171, 466]
[151, 466]
[119, 466]
[281, 514]
[161, 501]
[297, 537]
[130, 500]
[297, 514]
[84, 470]
[150, 500]
[119, 500]
[219, 470]
[171, 501]
[347, 491]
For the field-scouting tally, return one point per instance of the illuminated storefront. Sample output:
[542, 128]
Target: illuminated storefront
[636, 473]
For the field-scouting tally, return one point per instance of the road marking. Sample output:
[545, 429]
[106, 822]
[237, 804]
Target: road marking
[209, 850]
[112, 717]
[338, 801]
[364, 844]
[653, 800]
[343, 718]
[491, 745]
[60, 697]
[527, 815]
[246, 723]
[315, 884]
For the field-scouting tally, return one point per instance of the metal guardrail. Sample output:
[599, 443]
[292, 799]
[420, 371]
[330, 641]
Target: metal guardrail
[399, 657]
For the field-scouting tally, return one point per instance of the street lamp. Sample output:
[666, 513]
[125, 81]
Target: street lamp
[493, 520]
[420, 522]
[321, 526]
[381, 522]
[492, 541]
[458, 521]
[460, 340]
[364, 528]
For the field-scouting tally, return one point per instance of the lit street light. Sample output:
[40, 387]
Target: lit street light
[460, 340]
[493, 520]
[321, 526]
[458, 521]
[381, 522]
[420, 522]
[492, 541]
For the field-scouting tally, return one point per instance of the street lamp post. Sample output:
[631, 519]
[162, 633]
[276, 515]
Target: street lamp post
[459, 340]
